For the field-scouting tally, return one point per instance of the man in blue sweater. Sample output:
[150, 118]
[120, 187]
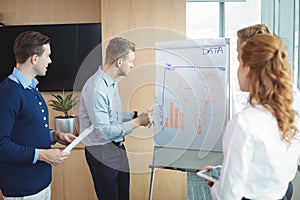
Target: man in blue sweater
[25, 138]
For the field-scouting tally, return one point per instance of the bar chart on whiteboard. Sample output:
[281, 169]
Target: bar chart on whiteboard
[191, 96]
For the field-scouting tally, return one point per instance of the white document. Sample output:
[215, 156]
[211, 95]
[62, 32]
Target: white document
[82, 135]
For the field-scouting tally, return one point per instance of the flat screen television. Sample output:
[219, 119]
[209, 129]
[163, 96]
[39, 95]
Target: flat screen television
[75, 54]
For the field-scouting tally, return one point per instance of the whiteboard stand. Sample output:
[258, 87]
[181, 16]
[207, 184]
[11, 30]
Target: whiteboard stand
[193, 95]
[186, 161]
[151, 181]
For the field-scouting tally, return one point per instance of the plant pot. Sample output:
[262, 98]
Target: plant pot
[67, 125]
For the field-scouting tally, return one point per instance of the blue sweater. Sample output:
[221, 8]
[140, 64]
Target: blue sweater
[23, 127]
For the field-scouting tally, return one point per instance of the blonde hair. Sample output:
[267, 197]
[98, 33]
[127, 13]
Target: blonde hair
[118, 48]
[270, 80]
[248, 32]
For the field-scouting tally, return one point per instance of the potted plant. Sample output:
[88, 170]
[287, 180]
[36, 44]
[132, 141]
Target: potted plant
[66, 123]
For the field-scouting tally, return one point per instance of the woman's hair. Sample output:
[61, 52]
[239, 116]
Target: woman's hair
[270, 80]
[247, 32]
[118, 48]
[29, 43]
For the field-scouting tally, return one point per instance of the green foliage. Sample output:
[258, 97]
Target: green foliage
[63, 103]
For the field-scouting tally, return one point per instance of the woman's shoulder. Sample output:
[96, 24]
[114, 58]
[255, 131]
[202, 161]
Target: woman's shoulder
[253, 112]
[254, 118]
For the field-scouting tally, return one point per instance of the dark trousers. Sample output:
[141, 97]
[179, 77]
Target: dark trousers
[288, 195]
[110, 171]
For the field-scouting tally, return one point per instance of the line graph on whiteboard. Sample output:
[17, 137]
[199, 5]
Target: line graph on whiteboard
[191, 106]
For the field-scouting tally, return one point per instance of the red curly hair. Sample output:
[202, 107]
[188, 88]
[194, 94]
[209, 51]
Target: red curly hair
[270, 80]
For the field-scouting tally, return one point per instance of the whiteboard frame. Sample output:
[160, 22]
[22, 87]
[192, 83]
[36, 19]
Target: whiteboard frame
[202, 44]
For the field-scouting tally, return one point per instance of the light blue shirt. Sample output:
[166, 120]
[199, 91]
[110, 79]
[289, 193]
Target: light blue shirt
[21, 79]
[100, 105]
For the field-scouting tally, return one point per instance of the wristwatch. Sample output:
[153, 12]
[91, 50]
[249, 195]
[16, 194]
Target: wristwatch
[135, 114]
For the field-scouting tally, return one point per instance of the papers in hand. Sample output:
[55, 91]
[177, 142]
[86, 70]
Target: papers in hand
[82, 135]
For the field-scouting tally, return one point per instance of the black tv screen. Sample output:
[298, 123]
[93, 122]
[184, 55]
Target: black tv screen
[75, 54]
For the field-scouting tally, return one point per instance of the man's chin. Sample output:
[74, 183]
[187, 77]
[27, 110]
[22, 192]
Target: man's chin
[44, 74]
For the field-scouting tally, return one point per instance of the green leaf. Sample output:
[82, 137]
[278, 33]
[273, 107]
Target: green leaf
[63, 103]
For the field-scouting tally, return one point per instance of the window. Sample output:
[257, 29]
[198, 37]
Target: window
[282, 17]
[296, 44]
[202, 20]
[218, 19]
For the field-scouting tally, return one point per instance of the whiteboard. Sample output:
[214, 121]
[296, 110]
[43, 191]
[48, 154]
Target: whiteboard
[191, 93]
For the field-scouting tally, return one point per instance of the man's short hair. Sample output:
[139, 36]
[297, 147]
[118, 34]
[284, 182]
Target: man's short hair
[118, 48]
[29, 43]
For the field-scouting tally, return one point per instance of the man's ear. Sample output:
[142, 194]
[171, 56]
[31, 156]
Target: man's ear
[34, 59]
[119, 62]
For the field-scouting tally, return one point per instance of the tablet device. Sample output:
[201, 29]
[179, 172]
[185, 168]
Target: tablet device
[212, 175]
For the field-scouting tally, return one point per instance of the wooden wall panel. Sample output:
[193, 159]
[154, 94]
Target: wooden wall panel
[72, 179]
[119, 16]
[18, 12]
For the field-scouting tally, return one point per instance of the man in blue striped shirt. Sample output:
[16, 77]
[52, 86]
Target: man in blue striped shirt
[100, 105]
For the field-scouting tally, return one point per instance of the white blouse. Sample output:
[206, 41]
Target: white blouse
[257, 163]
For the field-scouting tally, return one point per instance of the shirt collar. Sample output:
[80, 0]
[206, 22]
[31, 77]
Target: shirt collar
[19, 77]
[108, 80]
